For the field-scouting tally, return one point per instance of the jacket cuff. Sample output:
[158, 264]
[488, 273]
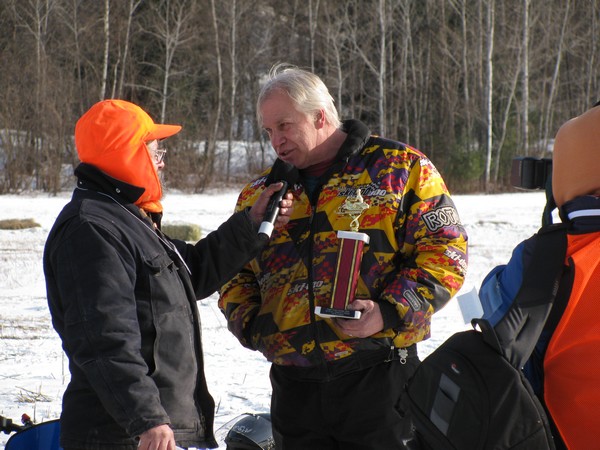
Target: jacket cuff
[391, 319]
[141, 425]
[246, 213]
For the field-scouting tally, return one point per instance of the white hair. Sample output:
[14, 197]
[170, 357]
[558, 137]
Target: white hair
[306, 90]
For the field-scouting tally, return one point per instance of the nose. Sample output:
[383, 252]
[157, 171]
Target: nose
[277, 140]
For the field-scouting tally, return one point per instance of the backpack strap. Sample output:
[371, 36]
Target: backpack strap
[516, 334]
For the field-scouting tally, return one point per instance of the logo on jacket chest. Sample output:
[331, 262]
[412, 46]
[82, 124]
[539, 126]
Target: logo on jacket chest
[303, 287]
[366, 190]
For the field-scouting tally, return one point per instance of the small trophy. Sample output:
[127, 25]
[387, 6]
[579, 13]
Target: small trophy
[347, 269]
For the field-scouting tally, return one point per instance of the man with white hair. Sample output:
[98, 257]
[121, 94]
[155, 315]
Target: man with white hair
[339, 383]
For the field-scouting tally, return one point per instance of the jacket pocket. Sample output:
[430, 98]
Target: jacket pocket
[165, 287]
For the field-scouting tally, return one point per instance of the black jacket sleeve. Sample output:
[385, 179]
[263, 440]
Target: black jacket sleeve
[220, 255]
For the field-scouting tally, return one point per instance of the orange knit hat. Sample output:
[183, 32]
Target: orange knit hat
[112, 134]
[575, 169]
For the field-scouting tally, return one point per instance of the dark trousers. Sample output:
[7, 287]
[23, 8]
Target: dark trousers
[359, 411]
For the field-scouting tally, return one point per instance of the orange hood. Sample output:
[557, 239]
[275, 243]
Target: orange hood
[112, 134]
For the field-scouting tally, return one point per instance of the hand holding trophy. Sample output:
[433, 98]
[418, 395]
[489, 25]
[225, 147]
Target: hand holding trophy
[349, 259]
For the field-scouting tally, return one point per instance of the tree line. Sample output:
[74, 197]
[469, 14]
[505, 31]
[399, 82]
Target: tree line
[472, 83]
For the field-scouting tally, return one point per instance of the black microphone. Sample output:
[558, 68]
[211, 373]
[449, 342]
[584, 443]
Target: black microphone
[280, 172]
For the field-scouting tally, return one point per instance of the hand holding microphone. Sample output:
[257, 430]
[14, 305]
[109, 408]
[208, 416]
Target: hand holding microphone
[272, 211]
[278, 207]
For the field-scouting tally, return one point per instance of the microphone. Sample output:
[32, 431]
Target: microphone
[268, 223]
[280, 172]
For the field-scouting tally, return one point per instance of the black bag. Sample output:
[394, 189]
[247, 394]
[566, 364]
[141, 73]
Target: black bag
[470, 393]
[466, 396]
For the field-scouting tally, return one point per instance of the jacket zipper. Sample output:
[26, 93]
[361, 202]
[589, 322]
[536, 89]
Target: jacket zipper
[314, 200]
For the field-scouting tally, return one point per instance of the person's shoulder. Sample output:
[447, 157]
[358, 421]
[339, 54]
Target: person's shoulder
[386, 143]
[104, 212]
[252, 189]
[392, 145]
[80, 215]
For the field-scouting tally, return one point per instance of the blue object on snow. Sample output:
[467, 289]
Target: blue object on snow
[42, 436]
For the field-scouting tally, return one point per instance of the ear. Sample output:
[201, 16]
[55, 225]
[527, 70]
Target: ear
[320, 119]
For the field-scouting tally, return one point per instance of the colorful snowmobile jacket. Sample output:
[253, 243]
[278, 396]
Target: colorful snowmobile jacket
[413, 265]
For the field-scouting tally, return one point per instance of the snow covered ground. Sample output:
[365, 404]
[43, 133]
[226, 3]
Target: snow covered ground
[33, 370]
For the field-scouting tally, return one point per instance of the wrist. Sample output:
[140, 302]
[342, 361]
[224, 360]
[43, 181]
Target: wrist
[254, 220]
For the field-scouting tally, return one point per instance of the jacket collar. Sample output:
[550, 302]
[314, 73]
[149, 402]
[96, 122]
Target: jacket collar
[90, 177]
[357, 136]
[582, 213]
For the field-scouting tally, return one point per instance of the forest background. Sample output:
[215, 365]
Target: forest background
[472, 83]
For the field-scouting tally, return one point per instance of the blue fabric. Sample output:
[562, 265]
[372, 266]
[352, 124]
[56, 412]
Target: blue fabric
[500, 287]
[498, 291]
[43, 436]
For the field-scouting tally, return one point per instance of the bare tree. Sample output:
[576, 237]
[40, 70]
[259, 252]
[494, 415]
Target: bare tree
[210, 144]
[34, 17]
[592, 78]
[525, 82]
[173, 29]
[336, 21]
[490, 23]
[375, 65]
[504, 125]
[232, 82]
[468, 81]
[69, 15]
[382, 66]
[555, 75]
[133, 6]
[313, 14]
[446, 67]
[407, 78]
[460, 6]
[106, 49]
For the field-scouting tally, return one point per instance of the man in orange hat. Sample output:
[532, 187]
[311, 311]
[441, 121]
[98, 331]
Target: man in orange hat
[122, 294]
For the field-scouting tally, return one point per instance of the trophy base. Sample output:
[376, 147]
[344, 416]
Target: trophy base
[334, 313]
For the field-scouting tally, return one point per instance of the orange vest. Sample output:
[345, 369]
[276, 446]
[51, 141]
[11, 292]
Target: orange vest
[572, 361]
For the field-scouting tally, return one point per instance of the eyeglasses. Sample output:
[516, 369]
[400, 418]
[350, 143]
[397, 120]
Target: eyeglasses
[158, 155]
